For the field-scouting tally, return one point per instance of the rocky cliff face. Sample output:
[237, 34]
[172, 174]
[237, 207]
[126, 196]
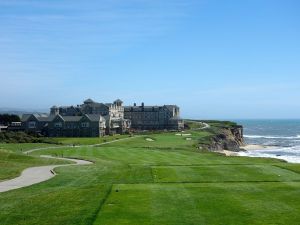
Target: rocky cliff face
[227, 138]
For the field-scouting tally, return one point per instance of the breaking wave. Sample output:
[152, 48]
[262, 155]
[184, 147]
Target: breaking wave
[289, 154]
[281, 136]
[272, 137]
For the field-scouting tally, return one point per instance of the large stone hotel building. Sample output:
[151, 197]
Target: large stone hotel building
[93, 119]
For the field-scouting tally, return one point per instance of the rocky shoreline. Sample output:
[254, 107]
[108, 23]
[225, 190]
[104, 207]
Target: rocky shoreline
[227, 138]
[245, 149]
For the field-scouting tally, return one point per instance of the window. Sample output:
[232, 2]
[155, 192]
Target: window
[16, 124]
[31, 124]
[85, 124]
[58, 124]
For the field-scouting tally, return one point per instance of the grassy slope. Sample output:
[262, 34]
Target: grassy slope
[162, 182]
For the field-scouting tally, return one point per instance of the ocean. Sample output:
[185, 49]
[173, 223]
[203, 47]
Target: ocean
[282, 135]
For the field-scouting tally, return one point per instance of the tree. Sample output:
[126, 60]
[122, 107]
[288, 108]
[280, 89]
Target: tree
[7, 119]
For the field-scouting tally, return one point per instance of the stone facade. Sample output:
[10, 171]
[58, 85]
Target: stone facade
[112, 113]
[154, 117]
[93, 119]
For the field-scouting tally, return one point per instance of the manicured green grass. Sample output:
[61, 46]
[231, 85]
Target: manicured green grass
[167, 149]
[217, 204]
[289, 166]
[88, 141]
[145, 156]
[167, 181]
[222, 173]
[52, 205]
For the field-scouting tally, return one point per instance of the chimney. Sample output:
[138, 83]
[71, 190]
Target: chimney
[143, 104]
[134, 104]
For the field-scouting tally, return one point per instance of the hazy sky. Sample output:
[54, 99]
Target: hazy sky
[215, 59]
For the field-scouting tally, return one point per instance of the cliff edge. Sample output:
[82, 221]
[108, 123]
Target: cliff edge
[222, 135]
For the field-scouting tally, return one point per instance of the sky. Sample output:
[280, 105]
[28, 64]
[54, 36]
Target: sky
[215, 59]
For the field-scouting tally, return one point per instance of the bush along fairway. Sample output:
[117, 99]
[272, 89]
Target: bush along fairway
[167, 178]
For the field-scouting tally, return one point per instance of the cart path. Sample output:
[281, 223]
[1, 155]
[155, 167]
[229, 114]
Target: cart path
[34, 175]
[203, 124]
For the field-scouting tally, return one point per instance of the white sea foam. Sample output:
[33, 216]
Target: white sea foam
[283, 136]
[289, 154]
[290, 159]
[272, 137]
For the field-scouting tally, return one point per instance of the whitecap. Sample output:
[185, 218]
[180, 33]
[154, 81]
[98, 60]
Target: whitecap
[272, 137]
[289, 154]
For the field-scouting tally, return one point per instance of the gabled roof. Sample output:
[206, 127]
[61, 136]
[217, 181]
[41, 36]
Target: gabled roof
[88, 101]
[57, 116]
[171, 107]
[71, 118]
[102, 104]
[118, 101]
[142, 108]
[39, 117]
[93, 117]
[46, 119]
[95, 104]
[25, 117]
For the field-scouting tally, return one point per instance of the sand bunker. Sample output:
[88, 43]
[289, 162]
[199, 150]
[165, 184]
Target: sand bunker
[183, 134]
[149, 139]
[188, 139]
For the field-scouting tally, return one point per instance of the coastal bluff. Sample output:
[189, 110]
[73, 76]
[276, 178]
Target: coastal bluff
[224, 135]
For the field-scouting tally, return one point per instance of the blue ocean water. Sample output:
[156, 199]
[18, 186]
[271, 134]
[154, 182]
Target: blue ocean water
[282, 135]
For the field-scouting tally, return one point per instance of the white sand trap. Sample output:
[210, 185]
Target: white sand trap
[188, 139]
[183, 134]
[149, 139]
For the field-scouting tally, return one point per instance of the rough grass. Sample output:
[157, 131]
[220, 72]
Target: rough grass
[167, 182]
